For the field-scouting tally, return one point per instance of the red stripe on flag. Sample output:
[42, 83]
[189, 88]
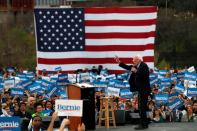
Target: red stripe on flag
[120, 22]
[120, 10]
[120, 48]
[119, 35]
[88, 60]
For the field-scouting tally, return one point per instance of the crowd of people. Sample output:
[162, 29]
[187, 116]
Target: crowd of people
[34, 106]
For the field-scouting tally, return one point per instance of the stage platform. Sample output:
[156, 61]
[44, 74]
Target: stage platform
[183, 126]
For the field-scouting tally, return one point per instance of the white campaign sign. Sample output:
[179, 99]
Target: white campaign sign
[69, 107]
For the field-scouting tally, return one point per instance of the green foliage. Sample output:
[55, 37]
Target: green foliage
[163, 65]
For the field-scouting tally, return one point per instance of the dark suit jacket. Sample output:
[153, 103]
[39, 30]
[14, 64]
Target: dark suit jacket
[139, 81]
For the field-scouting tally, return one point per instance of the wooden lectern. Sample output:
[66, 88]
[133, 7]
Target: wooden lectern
[74, 93]
[78, 92]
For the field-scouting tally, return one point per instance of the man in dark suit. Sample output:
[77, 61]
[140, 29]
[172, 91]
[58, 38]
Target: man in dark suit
[139, 81]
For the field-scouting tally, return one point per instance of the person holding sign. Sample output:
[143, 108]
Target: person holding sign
[139, 81]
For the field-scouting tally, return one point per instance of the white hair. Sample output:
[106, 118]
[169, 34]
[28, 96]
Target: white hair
[139, 57]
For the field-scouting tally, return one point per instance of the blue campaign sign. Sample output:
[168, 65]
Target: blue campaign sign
[17, 92]
[102, 84]
[51, 91]
[166, 82]
[58, 68]
[125, 93]
[47, 112]
[110, 77]
[63, 77]
[20, 74]
[54, 79]
[162, 73]
[30, 75]
[9, 83]
[191, 92]
[62, 93]
[111, 83]
[10, 124]
[62, 82]
[180, 75]
[173, 77]
[173, 95]
[162, 98]
[25, 84]
[119, 84]
[126, 83]
[45, 83]
[175, 104]
[153, 81]
[1, 87]
[35, 87]
[179, 88]
[190, 76]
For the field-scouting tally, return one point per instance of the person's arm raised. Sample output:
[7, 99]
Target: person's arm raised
[53, 118]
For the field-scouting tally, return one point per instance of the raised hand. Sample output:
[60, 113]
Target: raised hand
[117, 59]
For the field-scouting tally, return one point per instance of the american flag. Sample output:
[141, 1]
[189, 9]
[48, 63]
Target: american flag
[77, 38]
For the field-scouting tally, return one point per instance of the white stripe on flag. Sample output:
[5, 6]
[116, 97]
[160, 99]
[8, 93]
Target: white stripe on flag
[122, 29]
[96, 42]
[85, 54]
[121, 16]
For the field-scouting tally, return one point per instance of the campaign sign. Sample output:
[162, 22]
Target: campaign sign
[17, 92]
[20, 74]
[51, 91]
[9, 83]
[1, 86]
[175, 94]
[162, 73]
[191, 92]
[119, 84]
[69, 107]
[30, 75]
[62, 76]
[47, 112]
[180, 75]
[153, 81]
[179, 88]
[10, 124]
[126, 83]
[113, 91]
[62, 82]
[190, 79]
[163, 98]
[72, 78]
[45, 83]
[25, 83]
[112, 76]
[175, 104]
[166, 82]
[84, 77]
[125, 93]
[34, 87]
[173, 77]
[58, 68]
[100, 84]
